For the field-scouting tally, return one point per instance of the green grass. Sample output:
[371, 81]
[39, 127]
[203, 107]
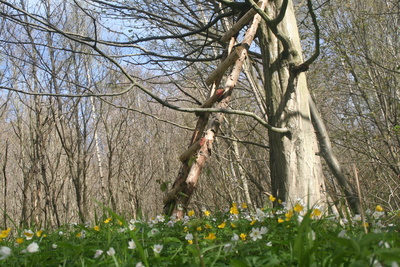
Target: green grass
[237, 237]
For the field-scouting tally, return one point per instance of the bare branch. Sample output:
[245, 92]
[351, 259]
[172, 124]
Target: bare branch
[309, 61]
[67, 95]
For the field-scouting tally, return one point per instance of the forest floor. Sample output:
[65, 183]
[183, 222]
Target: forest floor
[298, 236]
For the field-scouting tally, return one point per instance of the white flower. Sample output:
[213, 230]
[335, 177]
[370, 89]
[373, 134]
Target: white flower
[342, 234]
[132, 244]
[378, 214]
[189, 237]
[263, 230]
[375, 263]
[170, 224]
[131, 227]
[32, 248]
[235, 237]
[28, 234]
[256, 234]
[260, 214]
[98, 253]
[394, 264]
[299, 218]
[154, 231]
[54, 246]
[139, 264]
[357, 217]
[157, 248]
[227, 247]
[111, 252]
[5, 252]
[311, 235]
[160, 218]
[152, 221]
[173, 218]
[269, 244]
[384, 244]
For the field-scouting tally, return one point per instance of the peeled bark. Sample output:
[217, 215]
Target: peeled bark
[178, 198]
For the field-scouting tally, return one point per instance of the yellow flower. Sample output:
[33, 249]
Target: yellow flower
[279, 201]
[120, 223]
[222, 225]
[243, 236]
[244, 205]
[234, 204]
[378, 208]
[233, 225]
[234, 210]
[96, 228]
[39, 233]
[190, 242]
[207, 213]
[4, 233]
[316, 213]
[280, 220]
[78, 235]
[208, 226]
[199, 228]
[298, 207]
[19, 240]
[253, 222]
[108, 220]
[289, 215]
[190, 213]
[185, 229]
[272, 198]
[365, 224]
[211, 236]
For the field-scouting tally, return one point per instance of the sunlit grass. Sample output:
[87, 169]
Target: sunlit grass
[236, 237]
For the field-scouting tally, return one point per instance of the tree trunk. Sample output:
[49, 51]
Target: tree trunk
[296, 171]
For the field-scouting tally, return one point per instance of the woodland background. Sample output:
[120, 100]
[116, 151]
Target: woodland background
[103, 141]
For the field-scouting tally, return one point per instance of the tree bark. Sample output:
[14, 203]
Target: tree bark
[296, 171]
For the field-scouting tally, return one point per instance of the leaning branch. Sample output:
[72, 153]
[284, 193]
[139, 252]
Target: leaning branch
[330, 158]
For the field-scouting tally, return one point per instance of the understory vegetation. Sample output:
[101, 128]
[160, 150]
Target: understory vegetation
[236, 236]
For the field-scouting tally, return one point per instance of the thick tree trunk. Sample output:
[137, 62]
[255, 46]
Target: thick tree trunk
[296, 171]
